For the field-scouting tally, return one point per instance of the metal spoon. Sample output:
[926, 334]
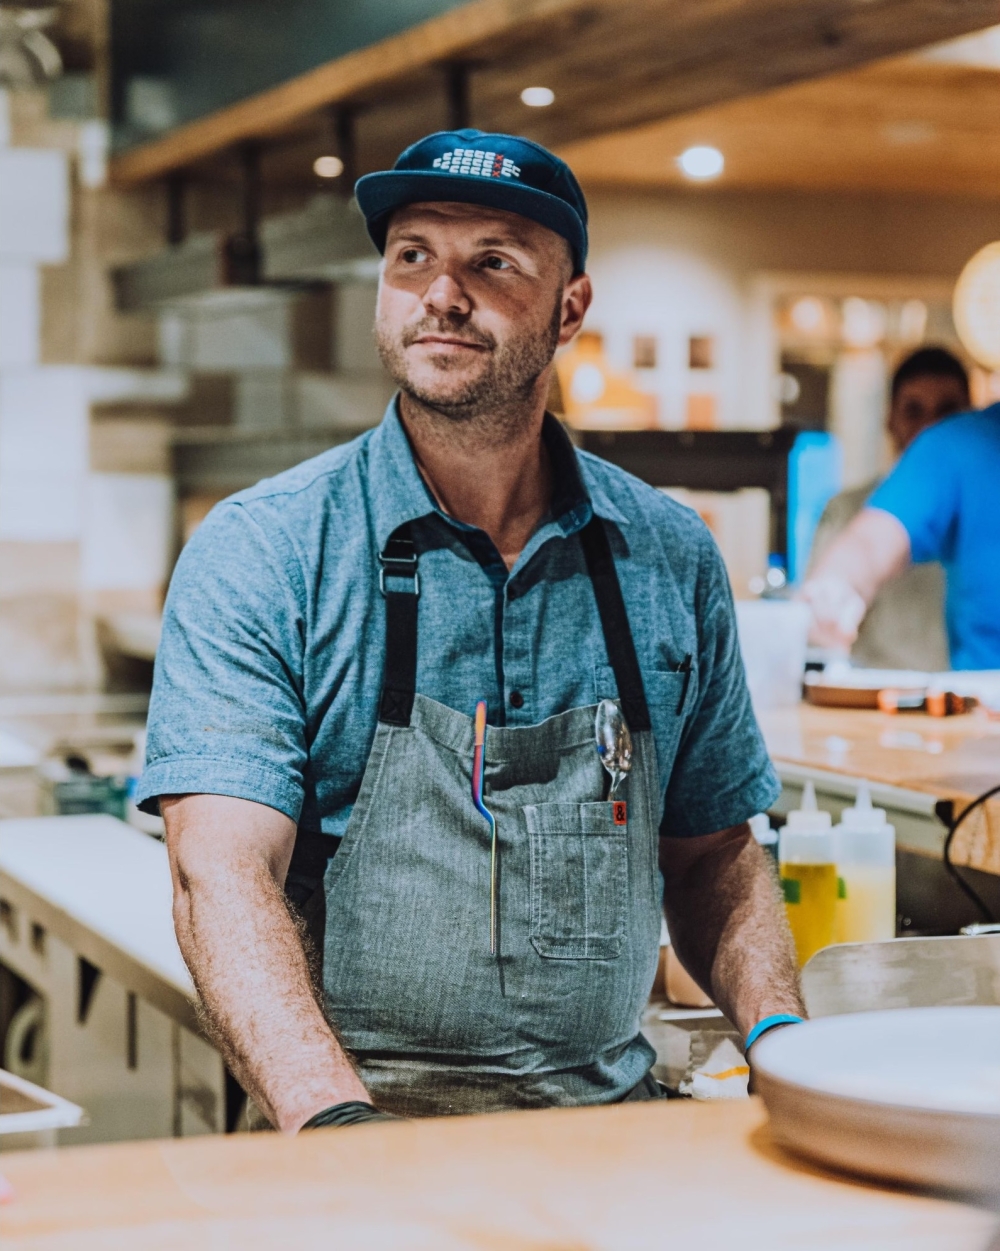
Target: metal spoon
[614, 742]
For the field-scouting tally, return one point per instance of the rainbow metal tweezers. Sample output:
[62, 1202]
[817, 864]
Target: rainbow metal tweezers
[478, 770]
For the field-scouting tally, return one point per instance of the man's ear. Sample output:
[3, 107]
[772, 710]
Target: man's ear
[576, 298]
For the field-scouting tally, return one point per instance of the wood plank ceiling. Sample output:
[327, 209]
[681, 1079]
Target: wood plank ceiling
[611, 64]
[905, 125]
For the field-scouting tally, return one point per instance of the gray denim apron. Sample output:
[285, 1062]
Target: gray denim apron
[435, 1023]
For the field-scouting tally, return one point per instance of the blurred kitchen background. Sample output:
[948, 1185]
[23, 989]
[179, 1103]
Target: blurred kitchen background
[185, 306]
[782, 199]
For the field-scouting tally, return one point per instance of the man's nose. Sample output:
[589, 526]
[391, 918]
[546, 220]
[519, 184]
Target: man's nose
[445, 296]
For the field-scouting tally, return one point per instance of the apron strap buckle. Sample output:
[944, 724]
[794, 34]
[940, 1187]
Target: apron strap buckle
[397, 563]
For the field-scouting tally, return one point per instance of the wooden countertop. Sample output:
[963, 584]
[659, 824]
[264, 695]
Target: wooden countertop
[675, 1174]
[943, 757]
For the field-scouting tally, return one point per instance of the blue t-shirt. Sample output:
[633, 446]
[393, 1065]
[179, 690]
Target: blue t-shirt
[946, 492]
[270, 666]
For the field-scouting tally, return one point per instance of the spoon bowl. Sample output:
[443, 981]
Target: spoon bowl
[614, 742]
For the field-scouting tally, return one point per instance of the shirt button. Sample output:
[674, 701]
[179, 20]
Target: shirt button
[516, 699]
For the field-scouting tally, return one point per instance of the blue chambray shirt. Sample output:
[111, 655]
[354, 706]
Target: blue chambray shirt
[269, 670]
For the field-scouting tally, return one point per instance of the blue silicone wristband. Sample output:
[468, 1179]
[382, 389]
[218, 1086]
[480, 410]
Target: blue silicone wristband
[769, 1022]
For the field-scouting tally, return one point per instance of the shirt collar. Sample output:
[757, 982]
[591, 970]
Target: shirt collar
[399, 493]
[574, 501]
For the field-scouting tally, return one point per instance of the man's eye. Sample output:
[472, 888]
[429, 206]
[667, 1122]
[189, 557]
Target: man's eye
[496, 262]
[413, 256]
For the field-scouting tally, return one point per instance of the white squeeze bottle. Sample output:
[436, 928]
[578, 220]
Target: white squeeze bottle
[808, 875]
[865, 849]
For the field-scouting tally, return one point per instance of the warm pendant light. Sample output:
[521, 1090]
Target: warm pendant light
[976, 306]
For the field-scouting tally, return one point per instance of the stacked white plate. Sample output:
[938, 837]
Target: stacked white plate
[911, 1095]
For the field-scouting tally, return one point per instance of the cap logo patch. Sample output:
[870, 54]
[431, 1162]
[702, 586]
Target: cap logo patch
[477, 164]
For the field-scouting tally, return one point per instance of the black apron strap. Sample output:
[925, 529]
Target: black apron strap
[398, 560]
[614, 621]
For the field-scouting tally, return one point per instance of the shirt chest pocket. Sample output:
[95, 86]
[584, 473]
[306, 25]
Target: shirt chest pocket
[670, 694]
[668, 690]
[579, 881]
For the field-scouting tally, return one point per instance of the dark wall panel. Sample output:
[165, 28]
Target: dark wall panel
[177, 60]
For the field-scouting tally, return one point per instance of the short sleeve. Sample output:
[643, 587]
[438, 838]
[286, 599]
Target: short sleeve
[722, 774]
[922, 493]
[226, 712]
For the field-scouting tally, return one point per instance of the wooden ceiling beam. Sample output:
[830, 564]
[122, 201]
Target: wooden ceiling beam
[358, 76]
[900, 126]
[607, 80]
[613, 64]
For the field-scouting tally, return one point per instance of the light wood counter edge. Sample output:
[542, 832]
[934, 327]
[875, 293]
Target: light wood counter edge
[608, 1178]
[912, 787]
[148, 983]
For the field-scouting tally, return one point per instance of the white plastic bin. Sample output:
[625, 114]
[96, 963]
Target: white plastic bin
[773, 635]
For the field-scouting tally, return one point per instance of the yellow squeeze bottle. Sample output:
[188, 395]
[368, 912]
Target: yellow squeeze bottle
[808, 876]
[865, 848]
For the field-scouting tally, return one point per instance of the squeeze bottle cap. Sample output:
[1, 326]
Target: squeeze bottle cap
[808, 819]
[863, 816]
[760, 827]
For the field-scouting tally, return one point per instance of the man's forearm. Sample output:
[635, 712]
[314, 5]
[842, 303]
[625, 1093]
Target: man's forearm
[247, 959]
[872, 549]
[729, 929]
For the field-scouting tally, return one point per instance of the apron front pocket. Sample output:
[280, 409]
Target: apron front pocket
[579, 881]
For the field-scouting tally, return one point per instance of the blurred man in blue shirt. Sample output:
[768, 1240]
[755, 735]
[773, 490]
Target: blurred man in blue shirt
[941, 502]
[904, 627]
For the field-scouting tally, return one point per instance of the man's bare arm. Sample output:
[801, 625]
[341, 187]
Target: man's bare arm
[873, 548]
[228, 860]
[728, 926]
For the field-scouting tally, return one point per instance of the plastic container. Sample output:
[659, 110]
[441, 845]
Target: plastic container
[809, 876]
[760, 827]
[69, 789]
[773, 636]
[864, 845]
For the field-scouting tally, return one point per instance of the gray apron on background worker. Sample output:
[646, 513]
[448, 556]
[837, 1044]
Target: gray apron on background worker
[435, 1022]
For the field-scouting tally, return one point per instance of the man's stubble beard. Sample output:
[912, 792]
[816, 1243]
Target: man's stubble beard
[498, 399]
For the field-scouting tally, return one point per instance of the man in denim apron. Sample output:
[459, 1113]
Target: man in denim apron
[359, 940]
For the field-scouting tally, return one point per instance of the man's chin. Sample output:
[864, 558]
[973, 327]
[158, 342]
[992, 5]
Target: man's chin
[459, 407]
[452, 391]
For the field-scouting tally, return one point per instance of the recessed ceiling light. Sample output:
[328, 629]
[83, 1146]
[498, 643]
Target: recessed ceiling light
[328, 167]
[537, 97]
[701, 162]
[913, 321]
[908, 133]
[808, 316]
[862, 322]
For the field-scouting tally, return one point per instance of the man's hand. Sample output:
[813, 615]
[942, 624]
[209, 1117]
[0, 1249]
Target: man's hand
[751, 1050]
[728, 925]
[355, 1113]
[228, 859]
[837, 610]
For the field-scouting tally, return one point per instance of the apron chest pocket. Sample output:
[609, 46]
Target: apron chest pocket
[579, 881]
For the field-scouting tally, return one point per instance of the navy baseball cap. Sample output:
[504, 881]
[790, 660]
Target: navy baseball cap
[472, 167]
